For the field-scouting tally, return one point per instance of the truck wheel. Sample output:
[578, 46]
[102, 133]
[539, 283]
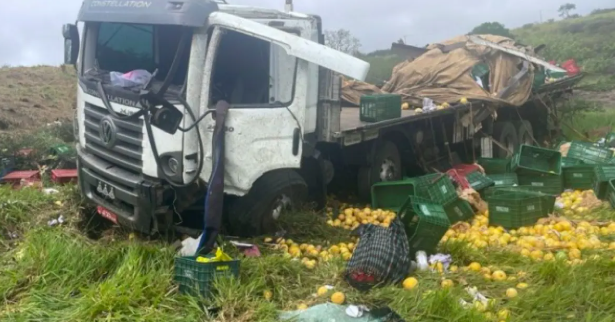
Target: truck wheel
[257, 212]
[506, 134]
[524, 132]
[386, 166]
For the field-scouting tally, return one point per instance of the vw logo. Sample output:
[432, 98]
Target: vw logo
[107, 131]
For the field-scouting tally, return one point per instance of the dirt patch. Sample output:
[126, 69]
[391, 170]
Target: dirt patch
[606, 98]
[32, 97]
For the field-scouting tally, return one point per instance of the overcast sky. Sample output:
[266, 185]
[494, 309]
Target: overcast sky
[30, 30]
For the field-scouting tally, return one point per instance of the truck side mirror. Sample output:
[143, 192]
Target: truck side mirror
[71, 43]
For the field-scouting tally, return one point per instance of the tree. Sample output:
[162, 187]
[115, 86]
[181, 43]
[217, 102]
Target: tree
[491, 28]
[564, 10]
[343, 41]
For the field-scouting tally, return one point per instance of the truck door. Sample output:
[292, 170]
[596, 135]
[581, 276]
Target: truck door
[263, 73]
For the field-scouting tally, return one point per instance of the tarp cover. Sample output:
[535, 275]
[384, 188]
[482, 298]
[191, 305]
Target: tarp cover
[447, 76]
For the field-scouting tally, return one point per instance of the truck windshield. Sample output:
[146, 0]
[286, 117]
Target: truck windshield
[126, 47]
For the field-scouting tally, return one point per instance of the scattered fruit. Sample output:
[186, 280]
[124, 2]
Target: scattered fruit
[447, 283]
[503, 314]
[474, 266]
[511, 293]
[499, 275]
[338, 298]
[410, 283]
[522, 286]
[323, 290]
[267, 295]
[302, 307]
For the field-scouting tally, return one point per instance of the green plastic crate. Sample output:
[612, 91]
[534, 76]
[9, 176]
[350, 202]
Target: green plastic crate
[458, 210]
[380, 107]
[391, 195]
[611, 193]
[478, 181]
[425, 222]
[504, 179]
[436, 187]
[548, 200]
[602, 175]
[196, 278]
[512, 209]
[570, 162]
[533, 159]
[579, 177]
[494, 165]
[589, 153]
[549, 184]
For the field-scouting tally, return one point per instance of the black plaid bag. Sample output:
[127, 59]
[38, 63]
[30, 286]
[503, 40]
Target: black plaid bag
[381, 256]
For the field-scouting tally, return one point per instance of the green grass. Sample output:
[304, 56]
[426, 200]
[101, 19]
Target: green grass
[587, 118]
[58, 274]
[587, 39]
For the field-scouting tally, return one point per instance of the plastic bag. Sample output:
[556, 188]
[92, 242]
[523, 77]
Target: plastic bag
[220, 257]
[137, 77]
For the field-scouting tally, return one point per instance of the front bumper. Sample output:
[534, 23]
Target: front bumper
[135, 200]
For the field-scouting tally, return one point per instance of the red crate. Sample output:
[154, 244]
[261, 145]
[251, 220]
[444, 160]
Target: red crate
[15, 178]
[64, 175]
[459, 178]
[464, 169]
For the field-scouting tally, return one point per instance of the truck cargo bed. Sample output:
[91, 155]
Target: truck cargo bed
[350, 118]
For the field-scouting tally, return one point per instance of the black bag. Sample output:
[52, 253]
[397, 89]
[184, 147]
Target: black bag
[381, 256]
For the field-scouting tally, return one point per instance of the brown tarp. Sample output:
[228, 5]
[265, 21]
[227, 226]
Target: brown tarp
[444, 74]
[352, 90]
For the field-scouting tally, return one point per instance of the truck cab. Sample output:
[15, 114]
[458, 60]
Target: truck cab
[267, 64]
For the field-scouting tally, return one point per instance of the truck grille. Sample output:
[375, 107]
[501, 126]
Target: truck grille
[127, 150]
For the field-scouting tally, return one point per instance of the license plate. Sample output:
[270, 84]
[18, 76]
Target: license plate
[107, 214]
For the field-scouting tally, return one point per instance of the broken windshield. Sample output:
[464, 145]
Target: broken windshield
[127, 47]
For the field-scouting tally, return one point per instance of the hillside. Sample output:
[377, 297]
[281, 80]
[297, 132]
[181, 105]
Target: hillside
[31, 97]
[589, 40]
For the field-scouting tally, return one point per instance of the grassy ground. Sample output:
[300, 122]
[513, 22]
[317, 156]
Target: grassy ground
[58, 274]
[586, 39]
[35, 96]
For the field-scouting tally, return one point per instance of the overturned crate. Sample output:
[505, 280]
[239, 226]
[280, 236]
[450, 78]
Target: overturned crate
[391, 195]
[545, 183]
[425, 222]
[602, 175]
[494, 165]
[589, 153]
[512, 208]
[532, 159]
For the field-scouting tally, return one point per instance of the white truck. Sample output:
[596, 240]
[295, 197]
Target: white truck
[287, 135]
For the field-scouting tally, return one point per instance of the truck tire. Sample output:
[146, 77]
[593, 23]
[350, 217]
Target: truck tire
[385, 166]
[506, 134]
[525, 132]
[257, 212]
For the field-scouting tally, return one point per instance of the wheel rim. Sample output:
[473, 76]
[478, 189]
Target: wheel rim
[526, 140]
[279, 204]
[387, 170]
[510, 146]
